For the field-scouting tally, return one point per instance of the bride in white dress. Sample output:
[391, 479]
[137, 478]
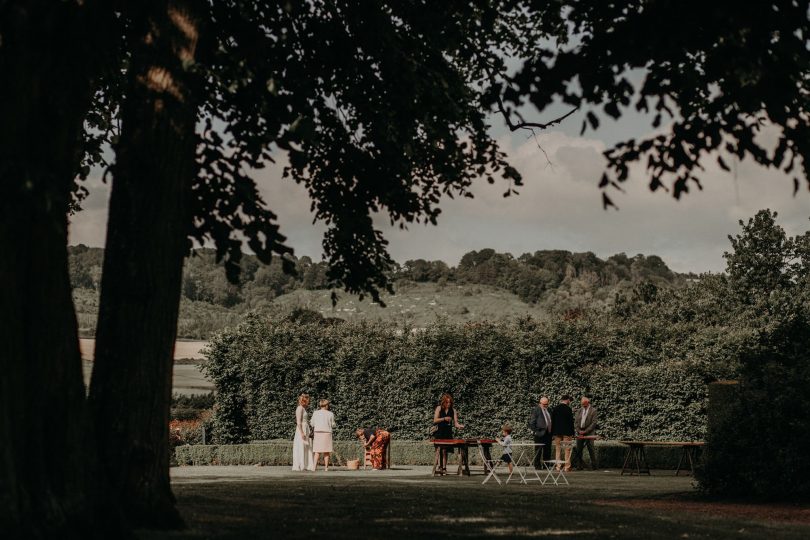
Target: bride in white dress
[303, 460]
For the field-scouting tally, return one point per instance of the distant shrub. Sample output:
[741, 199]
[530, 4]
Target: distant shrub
[403, 452]
[193, 401]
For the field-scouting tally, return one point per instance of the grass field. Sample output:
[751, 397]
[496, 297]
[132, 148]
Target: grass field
[419, 304]
[184, 351]
[273, 502]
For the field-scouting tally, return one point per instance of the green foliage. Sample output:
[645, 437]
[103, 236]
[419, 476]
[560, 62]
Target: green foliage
[190, 407]
[388, 376]
[767, 274]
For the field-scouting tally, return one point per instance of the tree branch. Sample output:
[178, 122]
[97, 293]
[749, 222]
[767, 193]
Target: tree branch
[514, 126]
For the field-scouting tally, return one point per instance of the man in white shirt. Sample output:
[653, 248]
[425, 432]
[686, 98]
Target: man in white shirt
[585, 423]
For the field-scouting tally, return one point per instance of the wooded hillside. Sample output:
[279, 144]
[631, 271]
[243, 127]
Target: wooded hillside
[485, 285]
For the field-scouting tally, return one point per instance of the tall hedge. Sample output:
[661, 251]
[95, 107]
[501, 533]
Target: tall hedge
[383, 375]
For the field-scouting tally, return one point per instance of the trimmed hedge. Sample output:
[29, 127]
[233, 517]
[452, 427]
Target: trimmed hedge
[645, 385]
[611, 454]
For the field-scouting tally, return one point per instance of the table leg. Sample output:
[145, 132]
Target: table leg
[486, 455]
[687, 456]
[465, 461]
[691, 455]
[515, 467]
[627, 456]
[519, 468]
[644, 468]
[684, 451]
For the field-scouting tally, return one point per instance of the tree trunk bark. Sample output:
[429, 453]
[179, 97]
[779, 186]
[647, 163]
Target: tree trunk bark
[148, 224]
[48, 481]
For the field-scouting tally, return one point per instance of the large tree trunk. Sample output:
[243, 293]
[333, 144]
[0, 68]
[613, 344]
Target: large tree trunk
[148, 223]
[47, 477]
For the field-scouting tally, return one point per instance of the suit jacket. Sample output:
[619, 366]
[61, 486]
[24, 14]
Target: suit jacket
[537, 423]
[590, 421]
[562, 421]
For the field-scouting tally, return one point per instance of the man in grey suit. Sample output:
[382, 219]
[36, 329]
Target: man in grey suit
[540, 424]
[585, 423]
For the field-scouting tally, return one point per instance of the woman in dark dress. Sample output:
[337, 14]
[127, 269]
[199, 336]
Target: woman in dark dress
[444, 418]
[562, 430]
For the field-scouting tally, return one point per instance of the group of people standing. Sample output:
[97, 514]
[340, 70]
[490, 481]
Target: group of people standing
[313, 438]
[559, 427]
[556, 427]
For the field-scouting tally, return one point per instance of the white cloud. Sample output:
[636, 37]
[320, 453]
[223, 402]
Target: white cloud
[559, 207]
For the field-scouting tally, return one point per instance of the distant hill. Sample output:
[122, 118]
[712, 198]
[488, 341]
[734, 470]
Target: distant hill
[485, 285]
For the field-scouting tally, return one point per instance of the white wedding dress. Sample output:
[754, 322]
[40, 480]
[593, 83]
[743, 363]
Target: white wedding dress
[303, 459]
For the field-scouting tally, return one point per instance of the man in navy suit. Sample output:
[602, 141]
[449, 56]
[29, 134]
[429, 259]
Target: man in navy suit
[540, 424]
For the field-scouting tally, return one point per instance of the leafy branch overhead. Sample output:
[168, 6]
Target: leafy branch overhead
[719, 72]
[379, 115]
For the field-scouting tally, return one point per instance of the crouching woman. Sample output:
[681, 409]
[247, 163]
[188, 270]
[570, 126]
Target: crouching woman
[375, 442]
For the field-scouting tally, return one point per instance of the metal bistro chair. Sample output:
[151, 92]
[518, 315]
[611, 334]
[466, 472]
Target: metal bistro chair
[555, 475]
[490, 465]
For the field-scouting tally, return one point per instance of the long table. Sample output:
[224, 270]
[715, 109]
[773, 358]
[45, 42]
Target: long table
[635, 460]
[462, 446]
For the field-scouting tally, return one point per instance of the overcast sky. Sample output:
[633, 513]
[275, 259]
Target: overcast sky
[559, 207]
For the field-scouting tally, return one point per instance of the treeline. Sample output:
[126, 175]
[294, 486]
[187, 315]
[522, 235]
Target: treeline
[562, 279]
[533, 274]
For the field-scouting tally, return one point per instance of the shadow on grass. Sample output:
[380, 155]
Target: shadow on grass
[396, 504]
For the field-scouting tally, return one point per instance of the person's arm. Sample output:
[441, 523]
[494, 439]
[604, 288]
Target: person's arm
[455, 420]
[299, 422]
[368, 442]
[332, 421]
[439, 419]
[533, 420]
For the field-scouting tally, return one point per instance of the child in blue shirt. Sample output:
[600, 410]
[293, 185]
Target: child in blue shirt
[506, 442]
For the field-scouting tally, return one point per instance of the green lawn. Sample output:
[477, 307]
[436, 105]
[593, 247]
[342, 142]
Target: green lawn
[265, 502]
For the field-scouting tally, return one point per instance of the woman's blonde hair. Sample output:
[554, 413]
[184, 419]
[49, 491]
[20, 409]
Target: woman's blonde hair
[446, 397]
[323, 404]
[302, 398]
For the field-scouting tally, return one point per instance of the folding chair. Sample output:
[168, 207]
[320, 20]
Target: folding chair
[490, 465]
[557, 476]
[522, 465]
